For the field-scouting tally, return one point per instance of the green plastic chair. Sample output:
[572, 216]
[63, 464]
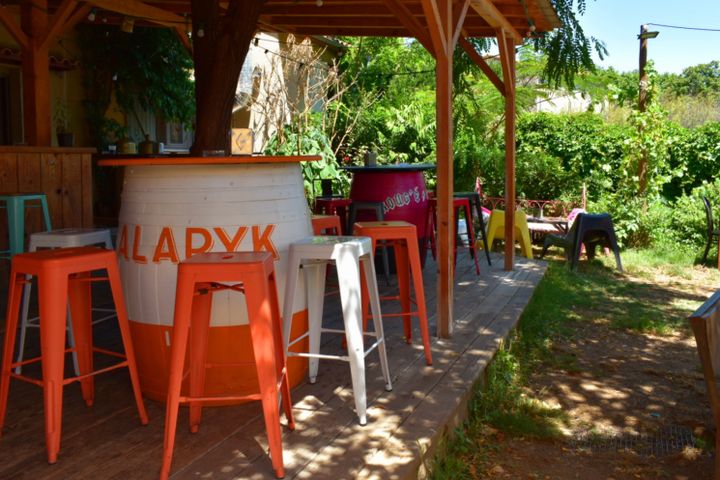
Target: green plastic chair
[15, 204]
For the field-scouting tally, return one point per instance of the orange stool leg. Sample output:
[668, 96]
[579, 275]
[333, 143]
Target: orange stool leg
[181, 327]
[199, 327]
[113, 273]
[261, 331]
[17, 280]
[471, 235]
[52, 295]
[416, 271]
[280, 359]
[80, 297]
[403, 277]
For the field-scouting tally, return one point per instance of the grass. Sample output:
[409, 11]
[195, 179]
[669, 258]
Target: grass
[637, 301]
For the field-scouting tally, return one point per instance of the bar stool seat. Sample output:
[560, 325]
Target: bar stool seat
[253, 274]
[65, 273]
[402, 236]
[62, 238]
[326, 225]
[312, 254]
[15, 204]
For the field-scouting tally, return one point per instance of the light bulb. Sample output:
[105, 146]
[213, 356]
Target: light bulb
[91, 15]
[319, 3]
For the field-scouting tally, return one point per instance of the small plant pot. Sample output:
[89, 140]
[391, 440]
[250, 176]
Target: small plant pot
[66, 139]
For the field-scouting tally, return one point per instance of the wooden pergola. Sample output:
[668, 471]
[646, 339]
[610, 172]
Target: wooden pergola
[439, 25]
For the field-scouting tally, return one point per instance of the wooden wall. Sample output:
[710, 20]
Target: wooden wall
[64, 175]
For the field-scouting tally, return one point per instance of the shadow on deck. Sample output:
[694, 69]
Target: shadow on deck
[404, 426]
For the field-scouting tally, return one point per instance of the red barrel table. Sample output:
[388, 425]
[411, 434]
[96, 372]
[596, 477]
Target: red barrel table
[401, 190]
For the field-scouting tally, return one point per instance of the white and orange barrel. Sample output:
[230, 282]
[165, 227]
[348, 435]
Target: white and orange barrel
[170, 212]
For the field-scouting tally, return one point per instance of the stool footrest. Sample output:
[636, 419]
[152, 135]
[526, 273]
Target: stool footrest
[223, 398]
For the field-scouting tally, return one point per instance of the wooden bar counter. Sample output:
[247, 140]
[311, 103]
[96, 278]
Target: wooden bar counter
[64, 175]
[175, 207]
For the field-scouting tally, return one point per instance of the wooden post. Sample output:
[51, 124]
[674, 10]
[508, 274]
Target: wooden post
[439, 15]
[507, 56]
[642, 102]
[446, 225]
[225, 43]
[36, 73]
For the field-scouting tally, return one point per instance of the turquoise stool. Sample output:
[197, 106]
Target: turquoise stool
[14, 203]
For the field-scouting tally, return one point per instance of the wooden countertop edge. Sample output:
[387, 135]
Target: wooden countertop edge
[234, 160]
[31, 149]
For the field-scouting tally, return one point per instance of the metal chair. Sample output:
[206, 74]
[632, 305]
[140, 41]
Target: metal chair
[589, 230]
[712, 232]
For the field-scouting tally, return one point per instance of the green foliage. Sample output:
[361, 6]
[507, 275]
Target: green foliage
[568, 50]
[149, 68]
[311, 141]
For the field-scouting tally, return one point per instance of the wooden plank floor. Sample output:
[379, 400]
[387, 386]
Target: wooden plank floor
[106, 441]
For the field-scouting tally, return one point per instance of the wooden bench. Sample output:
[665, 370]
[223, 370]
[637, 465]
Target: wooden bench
[705, 322]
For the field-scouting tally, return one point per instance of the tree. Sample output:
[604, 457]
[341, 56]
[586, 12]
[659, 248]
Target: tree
[568, 49]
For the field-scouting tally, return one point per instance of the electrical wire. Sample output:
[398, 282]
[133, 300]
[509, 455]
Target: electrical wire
[685, 28]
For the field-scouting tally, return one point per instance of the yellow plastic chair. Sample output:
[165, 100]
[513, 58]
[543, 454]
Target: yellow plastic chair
[496, 231]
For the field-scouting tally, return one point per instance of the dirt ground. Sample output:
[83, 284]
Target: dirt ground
[615, 386]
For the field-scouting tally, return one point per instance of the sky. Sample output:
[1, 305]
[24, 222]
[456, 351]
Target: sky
[617, 23]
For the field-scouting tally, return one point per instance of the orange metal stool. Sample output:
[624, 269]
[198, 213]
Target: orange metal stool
[402, 236]
[459, 204]
[253, 274]
[334, 206]
[322, 223]
[63, 273]
[462, 205]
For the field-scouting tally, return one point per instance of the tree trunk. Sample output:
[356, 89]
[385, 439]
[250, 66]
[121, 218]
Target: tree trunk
[219, 56]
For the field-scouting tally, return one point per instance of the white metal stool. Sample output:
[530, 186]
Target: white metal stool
[312, 254]
[61, 238]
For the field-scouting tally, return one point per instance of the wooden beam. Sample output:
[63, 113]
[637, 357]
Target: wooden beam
[480, 62]
[36, 74]
[438, 32]
[460, 10]
[440, 19]
[487, 10]
[507, 58]
[406, 17]
[57, 24]
[135, 8]
[13, 27]
[181, 34]
[509, 77]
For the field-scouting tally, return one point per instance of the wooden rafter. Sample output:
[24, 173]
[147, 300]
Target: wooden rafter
[404, 15]
[507, 55]
[488, 10]
[135, 8]
[181, 35]
[13, 27]
[483, 65]
[438, 32]
[460, 10]
[57, 24]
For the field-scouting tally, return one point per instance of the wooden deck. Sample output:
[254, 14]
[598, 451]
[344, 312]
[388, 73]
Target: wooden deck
[404, 426]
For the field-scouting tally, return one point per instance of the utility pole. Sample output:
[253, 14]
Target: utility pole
[642, 100]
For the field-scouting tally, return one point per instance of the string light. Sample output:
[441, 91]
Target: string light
[319, 3]
[201, 30]
[128, 25]
[92, 14]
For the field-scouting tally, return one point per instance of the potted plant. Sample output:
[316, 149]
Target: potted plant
[65, 137]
